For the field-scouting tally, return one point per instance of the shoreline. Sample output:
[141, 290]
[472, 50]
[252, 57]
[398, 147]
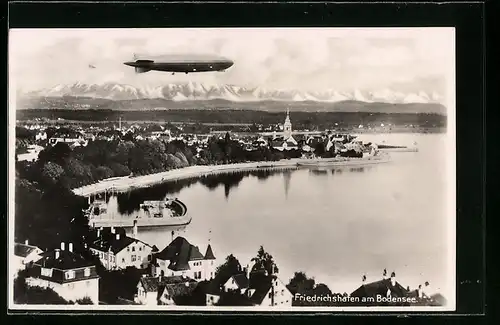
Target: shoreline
[127, 183]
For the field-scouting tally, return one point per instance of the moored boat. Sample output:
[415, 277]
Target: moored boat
[168, 212]
[345, 162]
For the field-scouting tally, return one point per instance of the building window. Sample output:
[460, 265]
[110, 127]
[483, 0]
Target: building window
[133, 248]
[149, 258]
[70, 275]
[270, 294]
[123, 260]
[140, 248]
[133, 258]
[46, 272]
[128, 249]
[86, 272]
[283, 292]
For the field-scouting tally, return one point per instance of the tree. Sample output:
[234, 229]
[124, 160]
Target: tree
[233, 298]
[119, 284]
[300, 283]
[58, 153]
[84, 301]
[51, 172]
[119, 169]
[104, 172]
[319, 149]
[182, 158]
[230, 267]
[24, 294]
[305, 286]
[196, 298]
[264, 261]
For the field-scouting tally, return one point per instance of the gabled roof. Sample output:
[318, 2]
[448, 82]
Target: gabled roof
[179, 289]
[241, 280]
[66, 261]
[110, 243]
[158, 284]
[261, 283]
[213, 288]
[150, 284]
[380, 288]
[209, 254]
[23, 250]
[179, 252]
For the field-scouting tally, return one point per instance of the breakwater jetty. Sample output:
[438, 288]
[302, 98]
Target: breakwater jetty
[127, 183]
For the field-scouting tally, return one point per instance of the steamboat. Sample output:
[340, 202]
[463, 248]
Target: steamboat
[167, 212]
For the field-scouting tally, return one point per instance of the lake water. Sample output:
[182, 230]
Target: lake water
[334, 224]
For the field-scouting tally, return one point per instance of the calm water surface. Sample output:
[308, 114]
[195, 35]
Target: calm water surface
[334, 224]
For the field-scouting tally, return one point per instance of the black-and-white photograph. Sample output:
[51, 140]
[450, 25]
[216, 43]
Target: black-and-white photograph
[228, 169]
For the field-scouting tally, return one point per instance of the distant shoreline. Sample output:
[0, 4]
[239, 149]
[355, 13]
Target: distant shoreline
[126, 183]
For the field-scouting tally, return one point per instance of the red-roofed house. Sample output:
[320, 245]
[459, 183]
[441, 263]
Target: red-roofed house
[67, 273]
[182, 258]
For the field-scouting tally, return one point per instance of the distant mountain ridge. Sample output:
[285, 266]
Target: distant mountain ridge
[198, 91]
[191, 95]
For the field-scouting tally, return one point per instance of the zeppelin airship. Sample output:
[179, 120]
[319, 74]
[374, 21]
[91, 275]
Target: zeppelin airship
[188, 63]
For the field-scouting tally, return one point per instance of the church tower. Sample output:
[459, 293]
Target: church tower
[287, 127]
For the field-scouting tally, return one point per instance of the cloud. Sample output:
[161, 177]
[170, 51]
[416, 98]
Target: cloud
[279, 58]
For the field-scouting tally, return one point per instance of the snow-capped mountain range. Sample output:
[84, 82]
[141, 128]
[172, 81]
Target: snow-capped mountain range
[233, 93]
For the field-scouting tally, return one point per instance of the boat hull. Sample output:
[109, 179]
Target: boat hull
[345, 163]
[141, 222]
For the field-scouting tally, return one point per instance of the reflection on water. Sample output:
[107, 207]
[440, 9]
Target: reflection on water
[336, 224]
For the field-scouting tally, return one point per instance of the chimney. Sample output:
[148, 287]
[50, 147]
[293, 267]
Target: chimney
[135, 229]
[99, 233]
[419, 290]
[363, 279]
[393, 279]
[70, 247]
[57, 254]
[384, 275]
[112, 230]
[117, 236]
[62, 246]
[26, 242]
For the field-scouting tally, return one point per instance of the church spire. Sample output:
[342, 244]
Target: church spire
[287, 126]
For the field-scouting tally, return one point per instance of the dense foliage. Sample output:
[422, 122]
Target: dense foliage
[24, 294]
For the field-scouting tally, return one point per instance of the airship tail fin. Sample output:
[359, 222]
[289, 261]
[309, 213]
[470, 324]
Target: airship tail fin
[141, 70]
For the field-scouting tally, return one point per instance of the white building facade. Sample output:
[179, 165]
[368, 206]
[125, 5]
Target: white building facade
[67, 273]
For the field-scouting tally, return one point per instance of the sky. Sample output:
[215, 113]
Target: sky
[407, 60]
